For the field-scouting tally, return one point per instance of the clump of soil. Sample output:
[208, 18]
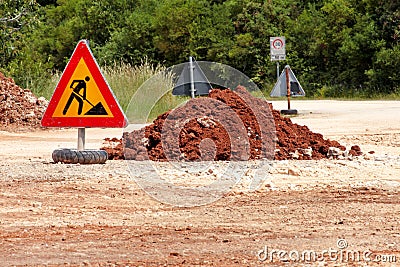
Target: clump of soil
[20, 109]
[356, 151]
[228, 125]
[114, 148]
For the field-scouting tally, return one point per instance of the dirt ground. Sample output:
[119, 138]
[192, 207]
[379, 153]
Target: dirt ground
[97, 215]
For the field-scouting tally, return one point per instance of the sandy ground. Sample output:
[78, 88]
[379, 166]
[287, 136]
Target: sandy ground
[99, 215]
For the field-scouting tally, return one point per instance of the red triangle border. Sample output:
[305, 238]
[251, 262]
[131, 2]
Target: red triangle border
[119, 120]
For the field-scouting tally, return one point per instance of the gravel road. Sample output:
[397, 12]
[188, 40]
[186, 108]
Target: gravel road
[99, 215]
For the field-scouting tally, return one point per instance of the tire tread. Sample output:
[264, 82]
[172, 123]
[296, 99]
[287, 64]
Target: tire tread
[73, 156]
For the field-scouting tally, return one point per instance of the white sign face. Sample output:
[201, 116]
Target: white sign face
[278, 48]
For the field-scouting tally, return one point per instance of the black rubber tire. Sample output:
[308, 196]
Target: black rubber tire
[289, 111]
[73, 156]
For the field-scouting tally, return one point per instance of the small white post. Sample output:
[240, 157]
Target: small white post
[277, 70]
[81, 139]
[192, 90]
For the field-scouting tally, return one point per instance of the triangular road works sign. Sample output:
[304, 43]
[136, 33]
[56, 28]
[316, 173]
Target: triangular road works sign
[280, 88]
[83, 97]
[183, 85]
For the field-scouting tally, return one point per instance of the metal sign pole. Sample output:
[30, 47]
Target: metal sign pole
[288, 87]
[191, 77]
[81, 139]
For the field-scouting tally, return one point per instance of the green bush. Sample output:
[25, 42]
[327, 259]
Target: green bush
[335, 47]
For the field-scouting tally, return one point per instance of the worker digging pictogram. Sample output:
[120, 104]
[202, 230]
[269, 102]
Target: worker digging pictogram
[77, 86]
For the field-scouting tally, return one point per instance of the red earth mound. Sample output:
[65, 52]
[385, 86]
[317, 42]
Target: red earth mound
[227, 125]
[19, 108]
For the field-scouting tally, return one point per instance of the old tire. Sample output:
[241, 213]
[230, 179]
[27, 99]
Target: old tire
[289, 111]
[73, 156]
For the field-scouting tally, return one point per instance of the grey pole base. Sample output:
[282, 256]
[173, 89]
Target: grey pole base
[289, 111]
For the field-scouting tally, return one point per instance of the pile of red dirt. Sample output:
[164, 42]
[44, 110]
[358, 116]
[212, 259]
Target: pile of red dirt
[20, 109]
[227, 125]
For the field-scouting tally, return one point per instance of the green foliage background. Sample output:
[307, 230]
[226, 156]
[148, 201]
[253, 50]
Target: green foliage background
[336, 47]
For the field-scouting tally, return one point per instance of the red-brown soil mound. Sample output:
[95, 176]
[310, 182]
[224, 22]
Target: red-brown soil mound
[19, 108]
[228, 125]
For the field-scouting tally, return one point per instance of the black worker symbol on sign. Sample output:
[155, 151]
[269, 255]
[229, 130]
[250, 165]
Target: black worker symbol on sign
[77, 86]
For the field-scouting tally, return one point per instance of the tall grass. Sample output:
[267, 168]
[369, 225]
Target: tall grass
[43, 87]
[125, 79]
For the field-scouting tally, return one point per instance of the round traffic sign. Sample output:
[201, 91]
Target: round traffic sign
[277, 44]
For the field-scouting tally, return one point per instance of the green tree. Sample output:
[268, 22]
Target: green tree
[336, 47]
[132, 38]
[17, 17]
[383, 76]
[255, 23]
[49, 45]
